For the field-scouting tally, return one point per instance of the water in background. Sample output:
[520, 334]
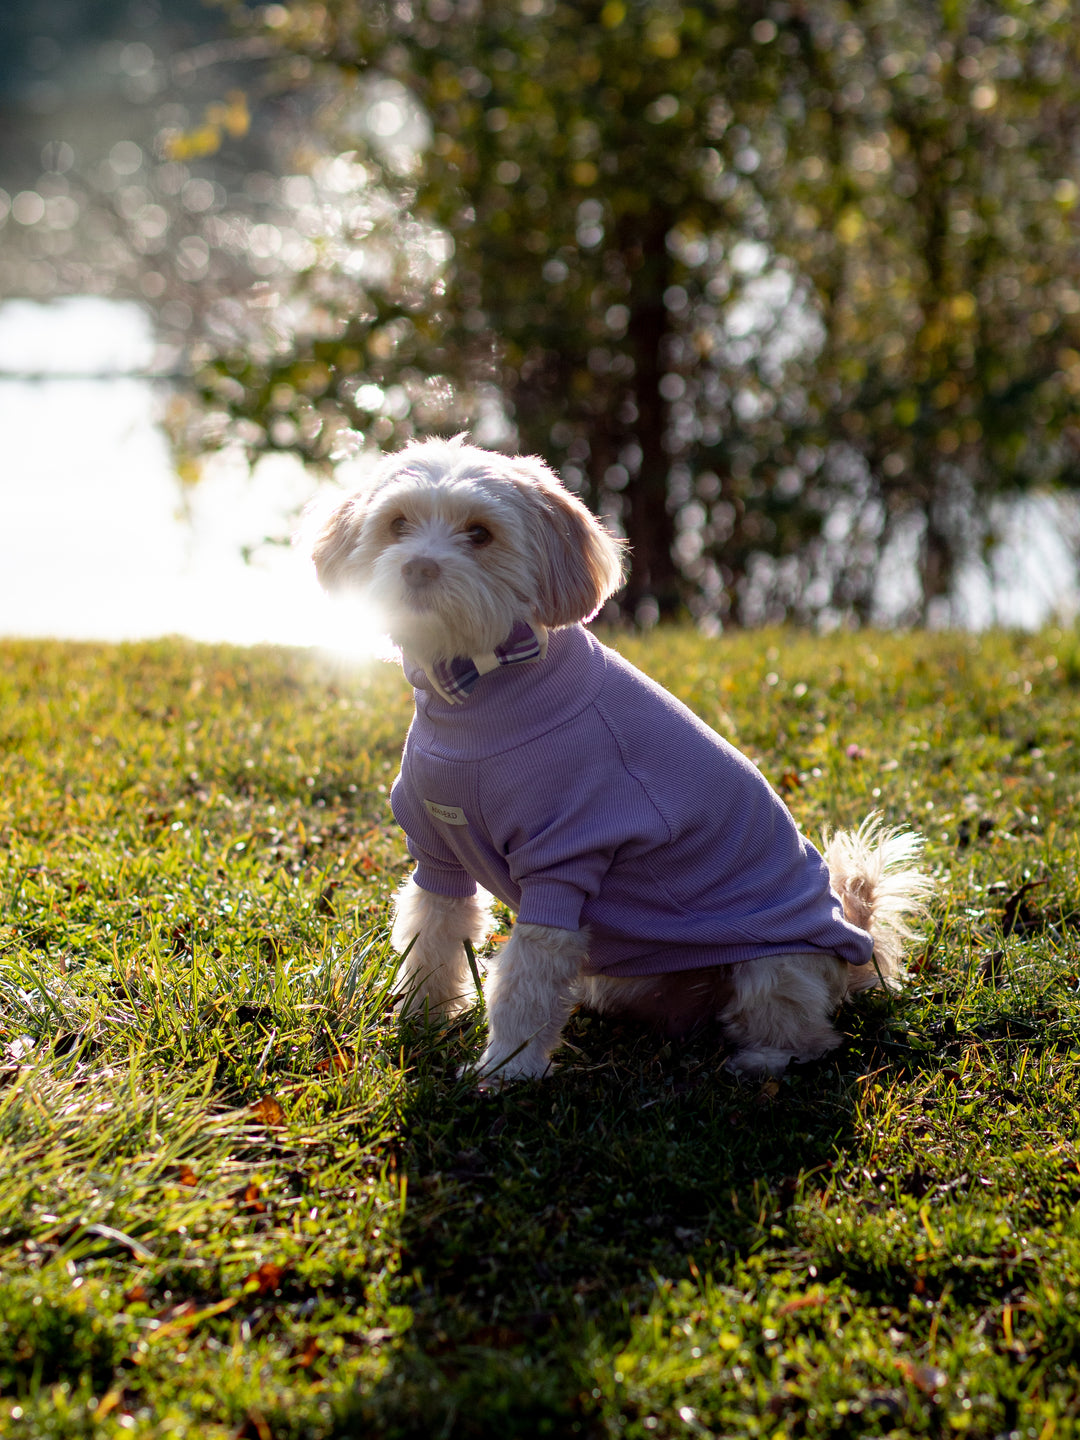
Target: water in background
[97, 538]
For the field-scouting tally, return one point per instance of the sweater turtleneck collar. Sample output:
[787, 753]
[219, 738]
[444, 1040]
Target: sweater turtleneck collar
[510, 704]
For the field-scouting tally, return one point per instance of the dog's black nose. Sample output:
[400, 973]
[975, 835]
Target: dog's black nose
[421, 571]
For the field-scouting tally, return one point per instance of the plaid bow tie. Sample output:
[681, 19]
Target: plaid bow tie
[454, 679]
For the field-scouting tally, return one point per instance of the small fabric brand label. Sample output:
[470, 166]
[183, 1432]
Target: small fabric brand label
[448, 814]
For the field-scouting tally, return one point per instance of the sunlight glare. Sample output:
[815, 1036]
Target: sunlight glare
[351, 631]
[97, 539]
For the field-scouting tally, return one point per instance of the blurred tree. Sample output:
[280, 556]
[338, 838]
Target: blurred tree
[929, 195]
[781, 289]
[570, 155]
[787, 291]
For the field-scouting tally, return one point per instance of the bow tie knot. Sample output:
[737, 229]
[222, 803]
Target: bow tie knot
[455, 679]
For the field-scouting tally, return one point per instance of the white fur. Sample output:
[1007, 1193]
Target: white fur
[529, 998]
[454, 545]
[404, 541]
[876, 873]
[430, 930]
[771, 1010]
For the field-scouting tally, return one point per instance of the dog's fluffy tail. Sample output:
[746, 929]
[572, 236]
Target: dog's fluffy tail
[876, 874]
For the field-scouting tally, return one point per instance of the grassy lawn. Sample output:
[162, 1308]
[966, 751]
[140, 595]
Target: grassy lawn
[236, 1199]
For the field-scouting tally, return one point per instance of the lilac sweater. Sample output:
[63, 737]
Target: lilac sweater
[581, 793]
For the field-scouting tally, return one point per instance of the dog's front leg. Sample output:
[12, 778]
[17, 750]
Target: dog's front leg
[434, 975]
[529, 997]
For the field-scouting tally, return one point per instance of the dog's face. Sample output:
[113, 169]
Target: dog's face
[453, 545]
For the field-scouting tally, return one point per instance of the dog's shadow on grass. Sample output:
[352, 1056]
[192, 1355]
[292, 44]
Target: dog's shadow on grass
[549, 1211]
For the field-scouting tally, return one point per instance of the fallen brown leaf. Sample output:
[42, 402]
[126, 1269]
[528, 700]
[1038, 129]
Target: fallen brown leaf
[305, 1358]
[267, 1111]
[337, 1061]
[266, 1278]
[249, 1199]
[812, 1298]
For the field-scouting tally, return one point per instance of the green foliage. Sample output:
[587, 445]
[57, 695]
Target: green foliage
[238, 1199]
[929, 194]
[773, 290]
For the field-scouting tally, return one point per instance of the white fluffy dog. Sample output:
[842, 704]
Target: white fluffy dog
[652, 869]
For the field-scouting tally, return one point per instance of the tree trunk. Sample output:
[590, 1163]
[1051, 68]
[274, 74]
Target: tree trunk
[650, 526]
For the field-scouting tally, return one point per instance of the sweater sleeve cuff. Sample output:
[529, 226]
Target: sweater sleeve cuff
[455, 884]
[551, 902]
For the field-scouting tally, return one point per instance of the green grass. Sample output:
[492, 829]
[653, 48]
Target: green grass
[237, 1200]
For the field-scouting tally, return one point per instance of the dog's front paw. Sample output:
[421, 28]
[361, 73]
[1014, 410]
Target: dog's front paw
[412, 1005]
[495, 1069]
[758, 1064]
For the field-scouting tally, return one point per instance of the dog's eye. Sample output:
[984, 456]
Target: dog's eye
[478, 535]
[399, 526]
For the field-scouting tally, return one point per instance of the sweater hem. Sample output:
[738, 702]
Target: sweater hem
[665, 961]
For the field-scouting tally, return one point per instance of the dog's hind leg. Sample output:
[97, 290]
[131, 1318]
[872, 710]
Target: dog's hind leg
[780, 1009]
[430, 932]
[530, 993]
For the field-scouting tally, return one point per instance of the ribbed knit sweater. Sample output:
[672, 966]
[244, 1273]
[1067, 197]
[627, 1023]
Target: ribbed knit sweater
[581, 793]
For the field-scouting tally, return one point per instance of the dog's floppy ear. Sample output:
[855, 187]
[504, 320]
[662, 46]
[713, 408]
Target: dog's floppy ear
[581, 564]
[334, 538]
